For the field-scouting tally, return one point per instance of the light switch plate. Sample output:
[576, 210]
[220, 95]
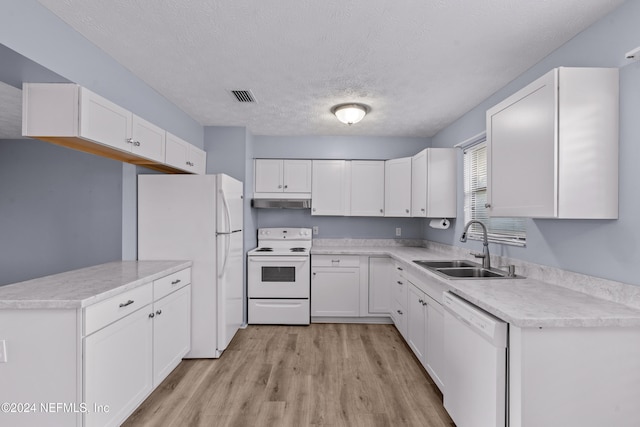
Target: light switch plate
[3, 351]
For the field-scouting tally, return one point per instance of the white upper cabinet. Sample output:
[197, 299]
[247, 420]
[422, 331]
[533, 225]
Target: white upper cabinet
[397, 191]
[104, 122]
[72, 116]
[282, 176]
[330, 187]
[433, 183]
[147, 139]
[553, 147]
[367, 188]
[185, 156]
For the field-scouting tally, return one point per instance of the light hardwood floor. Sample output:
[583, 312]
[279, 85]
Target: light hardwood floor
[317, 375]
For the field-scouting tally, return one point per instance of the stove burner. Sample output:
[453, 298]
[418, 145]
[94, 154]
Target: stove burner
[264, 250]
[298, 249]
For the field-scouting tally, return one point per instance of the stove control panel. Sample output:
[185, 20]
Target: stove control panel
[284, 234]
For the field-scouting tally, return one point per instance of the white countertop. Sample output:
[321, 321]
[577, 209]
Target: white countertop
[521, 302]
[86, 286]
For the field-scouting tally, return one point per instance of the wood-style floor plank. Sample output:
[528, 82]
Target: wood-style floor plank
[318, 375]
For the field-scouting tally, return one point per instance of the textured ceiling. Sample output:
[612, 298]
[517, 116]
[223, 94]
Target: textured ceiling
[419, 64]
[10, 112]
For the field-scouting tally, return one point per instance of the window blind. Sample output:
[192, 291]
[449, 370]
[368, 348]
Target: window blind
[500, 230]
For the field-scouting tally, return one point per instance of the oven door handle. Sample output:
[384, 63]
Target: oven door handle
[279, 260]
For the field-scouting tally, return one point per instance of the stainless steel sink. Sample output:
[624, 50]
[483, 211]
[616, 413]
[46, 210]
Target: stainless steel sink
[446, 264]
[468, 273]
[462, 269]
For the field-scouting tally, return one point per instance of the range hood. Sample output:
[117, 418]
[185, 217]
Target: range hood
[281, 203]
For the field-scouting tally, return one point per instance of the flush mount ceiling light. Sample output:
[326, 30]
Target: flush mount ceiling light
[350, 113]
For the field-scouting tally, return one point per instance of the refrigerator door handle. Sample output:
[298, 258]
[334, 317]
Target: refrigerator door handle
[226, 209]
[226, 255]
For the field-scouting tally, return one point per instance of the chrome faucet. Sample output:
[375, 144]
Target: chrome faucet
[486, 258]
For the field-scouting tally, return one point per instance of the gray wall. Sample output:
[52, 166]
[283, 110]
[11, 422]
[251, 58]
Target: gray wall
[59, 210]
[335, 147]
[602, 248]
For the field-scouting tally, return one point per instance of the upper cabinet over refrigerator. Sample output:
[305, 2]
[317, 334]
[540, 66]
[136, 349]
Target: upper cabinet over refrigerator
[553, 147]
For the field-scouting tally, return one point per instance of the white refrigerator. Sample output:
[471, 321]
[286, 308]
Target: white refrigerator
[198, 218]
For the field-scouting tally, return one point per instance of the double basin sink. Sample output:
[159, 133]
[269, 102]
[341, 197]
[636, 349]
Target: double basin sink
[462, 269]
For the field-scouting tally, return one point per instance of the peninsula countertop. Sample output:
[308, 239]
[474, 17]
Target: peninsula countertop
[86, 286]
[521, 302]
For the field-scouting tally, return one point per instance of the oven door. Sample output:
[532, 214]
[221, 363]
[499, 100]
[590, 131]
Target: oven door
[278, 277]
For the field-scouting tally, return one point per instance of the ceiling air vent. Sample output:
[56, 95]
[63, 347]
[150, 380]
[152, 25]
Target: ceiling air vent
[243, 95]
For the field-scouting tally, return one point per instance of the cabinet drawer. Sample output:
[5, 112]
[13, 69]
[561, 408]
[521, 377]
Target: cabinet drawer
[170, 283]
[103, 313]
[335, 261]
[399, 292]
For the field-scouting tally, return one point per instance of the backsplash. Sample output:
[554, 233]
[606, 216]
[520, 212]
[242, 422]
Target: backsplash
[369, 242]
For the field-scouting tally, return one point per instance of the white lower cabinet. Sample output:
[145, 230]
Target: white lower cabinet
[425, 328]
[171, 332]
[399, 303]
[118, 368]
[335, 286]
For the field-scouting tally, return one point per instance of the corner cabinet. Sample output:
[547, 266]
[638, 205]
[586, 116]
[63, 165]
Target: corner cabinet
[553, 147]
[72, 116]
[434, 183]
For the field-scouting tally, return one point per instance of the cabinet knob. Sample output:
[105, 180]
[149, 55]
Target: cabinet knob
[159, 312]
[129, 140]
[422, 210]
[400, 312]
[151, 315]
[381, 210]
[286, 186]
[421, 301]
[487, 205]
[314, 209]
[136, 143]
[279, 186]
[406, 210]
[424, 303]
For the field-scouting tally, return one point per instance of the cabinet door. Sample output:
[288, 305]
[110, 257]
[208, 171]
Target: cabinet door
[171, 332]
[335, 292]
[177, 152]
[367, 188]
[434, 357]
[197, 160]
[269, 176]
[148, 140]
[297, 176]
[397, 192]
[416, 322]
[521, 148]
[419, 184]
[441, 182]
[117, 368]
[104, 122]
[329, 194]
[380, 281]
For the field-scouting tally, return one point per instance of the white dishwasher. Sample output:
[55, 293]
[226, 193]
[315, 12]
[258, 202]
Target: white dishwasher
[475, 372]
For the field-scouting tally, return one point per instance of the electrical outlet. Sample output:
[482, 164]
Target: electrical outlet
[398, 231]
[3, 351]
[315, 230]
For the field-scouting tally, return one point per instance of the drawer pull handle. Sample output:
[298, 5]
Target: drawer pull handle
[124, 304]
[175, 282]
[400, 283]
[335, 260]
[424, 303]
[159, 312]
[400, 268]
[421, 301]
[399, 312]
[151, 315]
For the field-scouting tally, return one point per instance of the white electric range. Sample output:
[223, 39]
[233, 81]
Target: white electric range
[279, 277]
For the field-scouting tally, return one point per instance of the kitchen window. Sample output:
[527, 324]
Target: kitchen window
[509, 231]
